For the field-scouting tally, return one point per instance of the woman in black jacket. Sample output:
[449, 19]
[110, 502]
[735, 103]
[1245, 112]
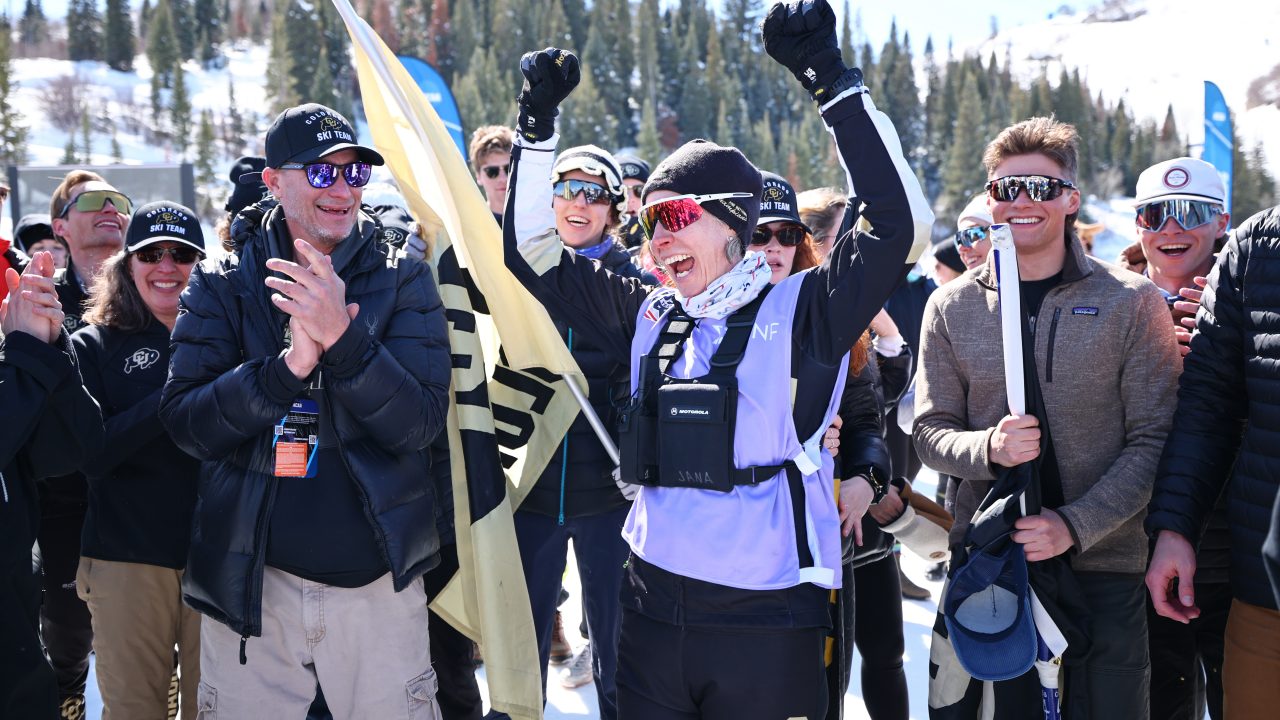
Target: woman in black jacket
[142, 487]
[576, 496]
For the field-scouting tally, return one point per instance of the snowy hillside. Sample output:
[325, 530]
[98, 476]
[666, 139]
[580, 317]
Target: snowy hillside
[125, 97]
[1153, 53]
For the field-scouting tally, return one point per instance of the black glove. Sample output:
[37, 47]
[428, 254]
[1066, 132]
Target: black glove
[549, 76]
[802, 37]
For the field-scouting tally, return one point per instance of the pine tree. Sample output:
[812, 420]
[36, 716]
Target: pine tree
[184, 27]
[585, 118]
[647, 140]
[13, 133]
[846, 37]
[209, 23]
[162, 48]
[648, 22]
[439, 46]
[608, 57]
[206, 150]
[84, 30]
[483, 97]
[467, 33]
[322, 86]
[144, 21]
[33, 27]
[69, 153]
[180, 112]
[337, 45]
[384, 23]
[233, 139]
[576, 12]
[553, 27]
[118, 41]
[962, 176]
[262, 23]
[86, 137]
[117, 152]
[693, 108]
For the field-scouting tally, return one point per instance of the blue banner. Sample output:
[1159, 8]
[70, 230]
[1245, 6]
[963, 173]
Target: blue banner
[439, 95]
[1217, 135]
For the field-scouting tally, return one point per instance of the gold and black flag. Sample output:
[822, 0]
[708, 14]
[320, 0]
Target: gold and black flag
[509, 406]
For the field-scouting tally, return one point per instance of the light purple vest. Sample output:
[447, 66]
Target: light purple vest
[744, 538]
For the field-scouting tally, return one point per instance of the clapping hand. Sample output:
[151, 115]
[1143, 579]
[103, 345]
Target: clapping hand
[32, 303]
[315, 300]
[1185, 313]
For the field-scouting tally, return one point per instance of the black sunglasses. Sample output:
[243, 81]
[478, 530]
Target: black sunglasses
[788, 235]
[971, 236]
[636, 190]
[322, 175]
[593, 192]
[1039, 188]
[491, 171]
[182, 255]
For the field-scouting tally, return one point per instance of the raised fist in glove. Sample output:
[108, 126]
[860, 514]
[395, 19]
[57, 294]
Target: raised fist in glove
[549, 76]
[802, 37]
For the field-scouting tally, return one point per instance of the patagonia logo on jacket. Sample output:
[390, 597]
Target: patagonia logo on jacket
[1084, 311]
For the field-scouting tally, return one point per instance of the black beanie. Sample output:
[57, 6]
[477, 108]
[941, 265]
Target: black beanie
[946, 252]
[701, 167]
[249, 190]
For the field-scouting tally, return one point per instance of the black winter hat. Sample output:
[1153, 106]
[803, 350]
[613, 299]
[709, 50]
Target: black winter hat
[701, 167]
[945, 252]
[250, 190]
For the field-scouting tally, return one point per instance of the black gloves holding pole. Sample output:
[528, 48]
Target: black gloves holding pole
[549, 76]
[802, 37]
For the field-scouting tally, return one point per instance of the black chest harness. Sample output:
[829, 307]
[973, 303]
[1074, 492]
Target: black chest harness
[677, 432]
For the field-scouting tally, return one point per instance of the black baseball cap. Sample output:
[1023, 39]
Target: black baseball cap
[778, 202]
[633, 168]
[306, 133]
[159, 221]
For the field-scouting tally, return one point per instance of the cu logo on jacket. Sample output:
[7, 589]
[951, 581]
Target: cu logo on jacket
[142, 358]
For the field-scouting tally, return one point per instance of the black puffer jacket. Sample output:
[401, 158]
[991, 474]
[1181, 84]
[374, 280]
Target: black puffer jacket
[1227, 425]
[386, 380]
[589, 488]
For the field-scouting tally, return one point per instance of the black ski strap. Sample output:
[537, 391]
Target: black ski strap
[737, 334]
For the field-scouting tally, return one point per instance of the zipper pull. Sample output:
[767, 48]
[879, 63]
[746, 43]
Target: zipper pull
[244, 660]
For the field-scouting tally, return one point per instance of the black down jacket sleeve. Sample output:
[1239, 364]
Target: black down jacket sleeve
[1212, 405]
[397, 388]
[215, 399]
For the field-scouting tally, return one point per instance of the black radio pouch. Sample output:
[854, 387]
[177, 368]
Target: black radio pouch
[695, 434]
[679, 433]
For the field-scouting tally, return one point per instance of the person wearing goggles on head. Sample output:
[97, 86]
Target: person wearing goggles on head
[142, 487]
[735, 530]
[309, 375]
[1180, 222]
[1102, 353]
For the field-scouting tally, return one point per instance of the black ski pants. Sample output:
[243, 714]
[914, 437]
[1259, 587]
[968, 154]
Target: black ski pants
[1186, 660]
[458, 694]
[27, 685]
[878, 636]
[64, 618]
[673, 672]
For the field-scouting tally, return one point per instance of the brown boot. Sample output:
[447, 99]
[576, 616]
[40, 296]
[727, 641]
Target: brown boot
[561, 652]
[910, 590]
